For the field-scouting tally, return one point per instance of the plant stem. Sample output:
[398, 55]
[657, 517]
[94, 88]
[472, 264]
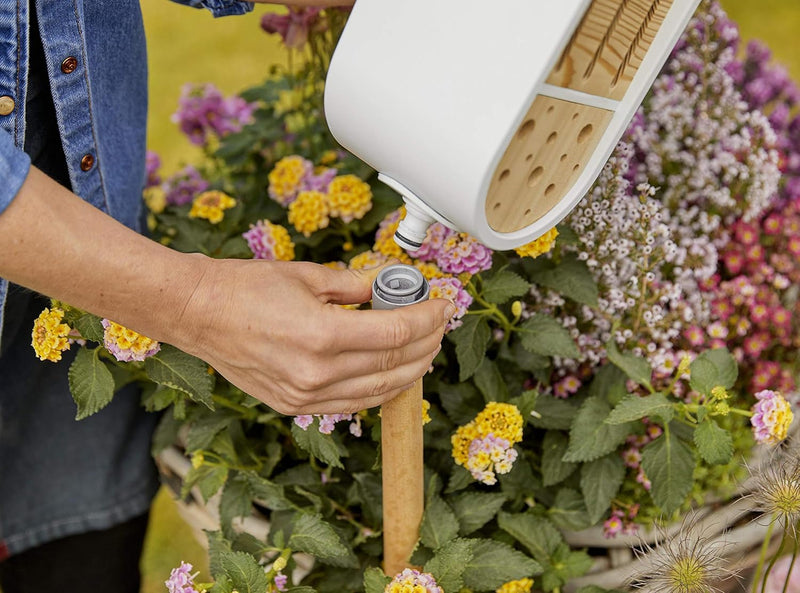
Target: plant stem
[795, 549]
[773, 560]
[763, 556]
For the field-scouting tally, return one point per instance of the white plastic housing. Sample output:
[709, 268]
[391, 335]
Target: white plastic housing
[431, 93]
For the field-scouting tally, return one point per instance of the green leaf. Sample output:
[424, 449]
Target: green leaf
[90, 327]
[569, 510]
[590, 437]
[461, 401]
[471, 340]
[564, 566]
[90, 383]
[217, 547]
[714, 443]
[315, 536]
[321, 446]
[375, 581]
[632, 407]
[571, 278]
[181, 371]
[537, 534]
[609, 383]
[668, 463]
[495, 563]
[449, 562]
[245, 573]
[554, 468]
[503, 286]
[713, 368]
[544, 335]
[208, 479]
[553, 413]
[236, 501]
[526, 402]
[635, 367]
[460, 478]
[203, 430]
[439, 524]
[474, 509]
[166, 433]
[490, 382]
[600, 482]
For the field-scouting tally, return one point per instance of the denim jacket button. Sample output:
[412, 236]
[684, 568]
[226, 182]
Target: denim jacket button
[6, 105]
[69, 64]
[87, 162]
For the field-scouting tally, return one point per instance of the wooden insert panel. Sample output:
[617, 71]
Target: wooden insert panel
[609, 45]
[543, 161]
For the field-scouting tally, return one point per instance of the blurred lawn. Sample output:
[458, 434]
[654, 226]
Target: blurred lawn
[187, 45]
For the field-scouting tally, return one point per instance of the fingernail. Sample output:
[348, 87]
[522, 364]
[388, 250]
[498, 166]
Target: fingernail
[449, 311]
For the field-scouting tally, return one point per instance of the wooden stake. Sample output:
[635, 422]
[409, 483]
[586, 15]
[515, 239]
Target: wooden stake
[403, 489]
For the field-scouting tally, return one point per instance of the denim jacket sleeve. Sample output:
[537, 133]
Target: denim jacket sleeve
[219, 7]
[14, 167]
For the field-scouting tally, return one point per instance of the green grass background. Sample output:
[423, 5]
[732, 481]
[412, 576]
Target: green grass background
[187, 45]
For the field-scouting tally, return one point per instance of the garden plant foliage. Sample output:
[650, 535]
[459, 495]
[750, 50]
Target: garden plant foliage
[611, 374]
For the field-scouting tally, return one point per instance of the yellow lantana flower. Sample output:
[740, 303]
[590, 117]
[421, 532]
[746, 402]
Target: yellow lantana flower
[539, 246]
[350, 198]
[211, 205]
[309, 212]
[50, 336]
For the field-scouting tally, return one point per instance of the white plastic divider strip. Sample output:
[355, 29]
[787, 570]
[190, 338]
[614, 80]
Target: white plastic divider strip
[558, 92]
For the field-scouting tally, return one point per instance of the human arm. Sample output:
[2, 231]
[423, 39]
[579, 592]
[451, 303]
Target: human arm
[271, 328]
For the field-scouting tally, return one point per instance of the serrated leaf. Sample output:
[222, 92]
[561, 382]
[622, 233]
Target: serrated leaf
[321, 446]
[165, 434]
[632, 407]
[208, 479]
[471, 340]
[181, 371]
[571, 278]
[554, 468]
[439, 524]
[245, 573]
[569, 511]
[203, 430]
[600, 482]
[90, 327]
[490, 382]
[668, 463]
[474, 509]
[713, 368]
[714, 443]
[217, 546]
[375, 581]
[495, 563]
[236, 501]
[634, 367]
[544, 335]
[565, 565]
[526, 402]
[315, 536]
[537, 534]
[461, 401]
[460, 478]
[90, 383]
[448, 564]
[552, 413]
[503, 286]
[589, 437]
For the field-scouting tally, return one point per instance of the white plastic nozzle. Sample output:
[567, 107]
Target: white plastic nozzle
[412, 229]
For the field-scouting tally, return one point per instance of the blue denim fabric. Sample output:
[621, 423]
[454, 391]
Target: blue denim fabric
[60, 477]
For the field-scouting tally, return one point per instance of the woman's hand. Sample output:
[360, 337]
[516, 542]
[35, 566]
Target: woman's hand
[274, 330]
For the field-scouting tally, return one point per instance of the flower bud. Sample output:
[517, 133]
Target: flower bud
[516, 309]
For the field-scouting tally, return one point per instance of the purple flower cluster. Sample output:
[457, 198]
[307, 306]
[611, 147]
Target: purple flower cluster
[453, 290]
[295, 26]
[413, 580]
[181, 579]
[327, 422]
[453, 252]
[203, 111]
[152, 165]
[182, 187]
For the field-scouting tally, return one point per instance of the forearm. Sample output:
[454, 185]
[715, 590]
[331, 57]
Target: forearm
[55, 243]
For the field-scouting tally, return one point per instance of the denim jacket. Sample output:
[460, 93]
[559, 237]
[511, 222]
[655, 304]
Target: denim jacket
[59, 477]
[97, 64]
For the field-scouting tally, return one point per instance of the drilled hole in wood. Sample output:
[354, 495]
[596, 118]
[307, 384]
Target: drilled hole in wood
[563, 157]
[528, 211]
[549, 190]
[496, 206]
[584, 134]
[550, 109]
[535, 175]
[552, 137]
[576, 167]
[529, 158]
[504, 175]
[526, 128]
[575, 116]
